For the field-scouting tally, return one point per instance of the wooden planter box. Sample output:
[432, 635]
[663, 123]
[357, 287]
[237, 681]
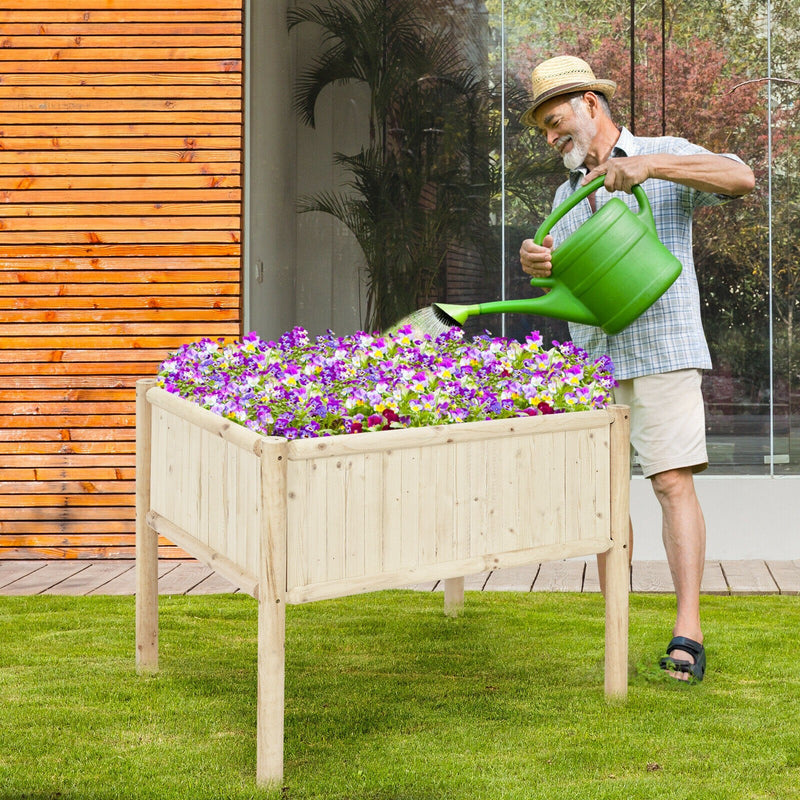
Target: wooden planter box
[305, 520]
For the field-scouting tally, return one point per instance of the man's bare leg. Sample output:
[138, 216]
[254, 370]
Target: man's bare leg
[684, 535]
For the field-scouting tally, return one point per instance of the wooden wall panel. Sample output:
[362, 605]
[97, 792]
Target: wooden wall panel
[120, 231]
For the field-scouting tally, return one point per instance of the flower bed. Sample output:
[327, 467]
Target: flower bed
[299, 388]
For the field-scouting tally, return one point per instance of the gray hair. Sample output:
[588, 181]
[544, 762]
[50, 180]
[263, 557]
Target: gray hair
[574, 98]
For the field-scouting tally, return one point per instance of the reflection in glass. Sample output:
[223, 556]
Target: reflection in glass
[698, 72]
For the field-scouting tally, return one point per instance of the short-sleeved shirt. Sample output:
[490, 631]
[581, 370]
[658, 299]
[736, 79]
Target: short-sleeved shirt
[669, 335]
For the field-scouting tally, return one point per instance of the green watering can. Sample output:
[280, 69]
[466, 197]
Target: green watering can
[607, 273]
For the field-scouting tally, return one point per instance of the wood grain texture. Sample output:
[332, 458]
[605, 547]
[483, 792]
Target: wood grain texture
[120, 240]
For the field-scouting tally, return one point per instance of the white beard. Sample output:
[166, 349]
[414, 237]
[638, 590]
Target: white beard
[586, 129]
[577, 155]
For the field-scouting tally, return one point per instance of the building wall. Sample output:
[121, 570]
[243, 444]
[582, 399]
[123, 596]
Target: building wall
[120, 176]
[747, 517]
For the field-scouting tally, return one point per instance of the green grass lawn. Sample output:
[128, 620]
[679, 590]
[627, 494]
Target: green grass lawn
[387, 699]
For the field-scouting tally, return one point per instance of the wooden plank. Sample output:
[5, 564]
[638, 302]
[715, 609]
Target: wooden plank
[90, 321]
[77, 27]
[39, 459]
[427, 586]
[113, 123]
[85, 553]
[191, 142]
[183, 578]
[108, 194]
[442, 434]
[512, 579]
[72, 78]
[44, 102]
[44, 68]
[96, 575]
[214, 584]
[197, 549]
[184, 267]
[51, 574]
[591, 577]
[217, 296]
[76, 501]
[148, 277]
[651, 577]
[560, 576]
[48, 534]
[336, 522]
[411, 513]
[713, 579]
[475, 583]
[786, 574]
[154, 10]
[470, 566]
[67, 394]
[174, 339]
[11, 571]
[101, 250]
[64, 513]
[215, 56]
[151, 225]
[125, 582]
[122, 40]
[49, 13]
[89, 162]
[16, 243]
[58, 420]
[749, 577]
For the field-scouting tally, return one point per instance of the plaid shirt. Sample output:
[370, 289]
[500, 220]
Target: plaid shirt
[669, 335]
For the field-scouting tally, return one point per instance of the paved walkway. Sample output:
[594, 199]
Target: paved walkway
[118, 577]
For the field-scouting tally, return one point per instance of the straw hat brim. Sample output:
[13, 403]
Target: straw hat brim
[606, 87]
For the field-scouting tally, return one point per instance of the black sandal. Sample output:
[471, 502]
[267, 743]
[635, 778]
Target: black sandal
[696, 670]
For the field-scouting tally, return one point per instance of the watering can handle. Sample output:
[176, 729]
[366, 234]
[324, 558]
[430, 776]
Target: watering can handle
[645, 212]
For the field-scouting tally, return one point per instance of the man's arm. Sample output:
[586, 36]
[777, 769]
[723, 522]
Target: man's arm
[705, 172]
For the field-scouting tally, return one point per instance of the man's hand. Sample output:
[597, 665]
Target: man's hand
[535, 258]
[622, 174]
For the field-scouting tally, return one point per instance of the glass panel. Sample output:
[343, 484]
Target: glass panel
[440, 201]
[714, 56]
[698, 70]
[784, 101]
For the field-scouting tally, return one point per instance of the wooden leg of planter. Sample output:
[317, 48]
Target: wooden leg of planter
[617, 561]
[146, 541]
[453, 596]
[271, 617]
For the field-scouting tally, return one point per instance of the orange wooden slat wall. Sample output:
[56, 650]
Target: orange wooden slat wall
[120, 230]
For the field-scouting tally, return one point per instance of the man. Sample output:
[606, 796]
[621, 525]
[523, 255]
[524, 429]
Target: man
[660, 356]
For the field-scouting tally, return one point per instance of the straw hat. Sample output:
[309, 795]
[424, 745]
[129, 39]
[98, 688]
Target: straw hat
[563, 75]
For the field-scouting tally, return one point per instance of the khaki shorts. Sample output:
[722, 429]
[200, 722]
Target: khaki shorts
[668, 424]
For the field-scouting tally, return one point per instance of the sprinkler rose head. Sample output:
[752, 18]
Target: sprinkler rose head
[451, 315]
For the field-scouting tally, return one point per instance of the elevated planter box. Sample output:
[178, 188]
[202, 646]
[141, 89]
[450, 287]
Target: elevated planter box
[303, 520]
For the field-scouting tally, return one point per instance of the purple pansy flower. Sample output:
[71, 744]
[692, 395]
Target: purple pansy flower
[300, 388]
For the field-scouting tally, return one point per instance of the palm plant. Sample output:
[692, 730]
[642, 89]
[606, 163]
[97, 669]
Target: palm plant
[425, 179]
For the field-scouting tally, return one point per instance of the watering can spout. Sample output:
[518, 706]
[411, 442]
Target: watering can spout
[559, 303]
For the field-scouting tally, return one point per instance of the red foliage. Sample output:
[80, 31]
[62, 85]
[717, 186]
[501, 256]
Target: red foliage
[699, 101]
